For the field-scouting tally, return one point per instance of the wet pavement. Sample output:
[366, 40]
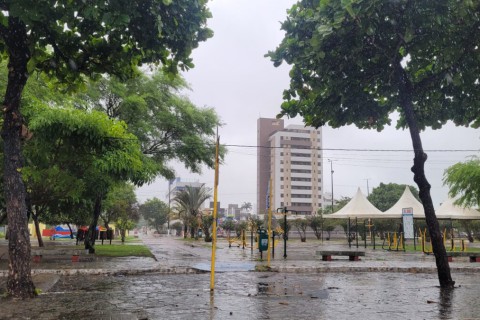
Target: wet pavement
[383, 284]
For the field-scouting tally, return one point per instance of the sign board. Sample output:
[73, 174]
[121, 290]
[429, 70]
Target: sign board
[407, 215]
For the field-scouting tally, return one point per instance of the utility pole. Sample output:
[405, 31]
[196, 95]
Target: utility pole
[169, 201]
[331, 175]
[368, 189]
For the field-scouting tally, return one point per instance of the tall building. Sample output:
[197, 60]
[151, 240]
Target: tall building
[292, 158]
[177, 185]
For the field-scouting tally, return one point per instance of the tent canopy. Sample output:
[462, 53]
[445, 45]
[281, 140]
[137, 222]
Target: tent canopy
[407, 200]
[358, 207]
[448, 210]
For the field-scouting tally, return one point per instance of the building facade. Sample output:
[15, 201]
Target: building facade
[292, 158]
[176, 186]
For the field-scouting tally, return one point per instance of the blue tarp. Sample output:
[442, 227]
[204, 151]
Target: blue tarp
[58, 235]
[58, 228]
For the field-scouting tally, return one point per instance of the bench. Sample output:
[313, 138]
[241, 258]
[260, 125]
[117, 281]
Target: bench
[474, 256]
[352, 255]
[37, 254]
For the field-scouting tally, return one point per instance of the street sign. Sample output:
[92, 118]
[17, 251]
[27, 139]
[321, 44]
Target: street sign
[407, 215]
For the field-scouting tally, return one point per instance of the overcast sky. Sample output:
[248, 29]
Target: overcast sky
[232, 75]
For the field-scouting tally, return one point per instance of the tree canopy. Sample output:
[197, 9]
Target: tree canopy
[166, 123]
[68, 39]
[349, 57]
[155, 212]
[463, 180]
[357, 61]
[385, 196]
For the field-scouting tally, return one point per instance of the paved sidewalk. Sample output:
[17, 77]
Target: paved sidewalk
[174, 255]
[377, 287]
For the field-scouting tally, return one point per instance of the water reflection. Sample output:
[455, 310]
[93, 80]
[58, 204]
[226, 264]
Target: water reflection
[445, 305]
[212, 305]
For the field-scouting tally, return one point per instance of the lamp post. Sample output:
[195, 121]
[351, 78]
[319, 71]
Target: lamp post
[331, 176]
[368, 189]
[284, 211]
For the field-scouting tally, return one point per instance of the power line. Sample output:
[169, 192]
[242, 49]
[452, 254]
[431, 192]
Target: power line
[351, 149]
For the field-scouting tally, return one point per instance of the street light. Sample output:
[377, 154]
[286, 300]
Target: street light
[284, 211]
[331, 175]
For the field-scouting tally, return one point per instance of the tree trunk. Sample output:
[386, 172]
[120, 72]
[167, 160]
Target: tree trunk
[34, 216]
[3, 218]
[91, 235]
[19, 282]
[37, 230]
[418, 169]
[185, 229]
[71, 231]
[123, 233]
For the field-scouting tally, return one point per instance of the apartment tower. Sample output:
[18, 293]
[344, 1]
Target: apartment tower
[292, 158]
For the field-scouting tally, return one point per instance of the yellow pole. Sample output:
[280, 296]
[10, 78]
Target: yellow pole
[269, 223]
[214, 229]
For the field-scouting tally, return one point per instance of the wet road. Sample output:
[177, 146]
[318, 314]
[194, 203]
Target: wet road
[252, 295]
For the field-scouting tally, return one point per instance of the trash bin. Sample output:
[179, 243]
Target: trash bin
[262, 240]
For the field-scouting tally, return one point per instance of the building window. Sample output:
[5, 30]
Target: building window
[305, 196]
[302, 187]
[301, 171]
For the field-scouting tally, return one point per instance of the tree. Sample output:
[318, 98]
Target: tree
[207, 221]
[177, 226]
[166, 123]
[385, 196]
[316, 224]
[356, 62]
[121, 207]
[463, 179]
[247, 206]
[228, 225]
[67, 40]
[337, 206]
[254, 223]
[191, 199]
[301, 225]
[155, 212]
[97, 151]
[285, 225]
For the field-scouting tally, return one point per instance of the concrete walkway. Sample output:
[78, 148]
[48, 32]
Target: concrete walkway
[174, 255]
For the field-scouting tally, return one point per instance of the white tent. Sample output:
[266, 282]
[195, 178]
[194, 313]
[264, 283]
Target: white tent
[407, 200]
[357, 207]
[448, 210]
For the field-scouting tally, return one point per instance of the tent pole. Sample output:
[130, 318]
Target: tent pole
[349, 240]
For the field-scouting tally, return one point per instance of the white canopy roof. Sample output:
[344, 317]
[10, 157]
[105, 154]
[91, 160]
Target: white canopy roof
[357, 207]
[448, 210]
[407, 200]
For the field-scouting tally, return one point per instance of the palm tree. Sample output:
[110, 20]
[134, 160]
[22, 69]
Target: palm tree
[247, 206]
[191, 199]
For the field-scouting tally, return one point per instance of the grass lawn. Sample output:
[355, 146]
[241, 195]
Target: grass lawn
[123, 250]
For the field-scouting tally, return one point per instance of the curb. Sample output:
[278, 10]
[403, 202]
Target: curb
[115, 272]
[326, 269]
